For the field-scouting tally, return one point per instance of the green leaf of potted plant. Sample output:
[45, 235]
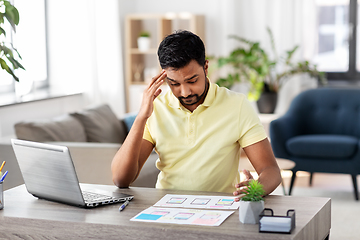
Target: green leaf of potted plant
[8, 54]
[252, 203]
[144, 41]
[251, 63]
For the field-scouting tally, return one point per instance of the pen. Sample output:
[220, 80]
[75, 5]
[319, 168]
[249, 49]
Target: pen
[123, 205]
[3, 177]
[2, 165]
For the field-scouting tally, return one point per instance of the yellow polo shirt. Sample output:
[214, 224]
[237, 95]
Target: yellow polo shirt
[200, 150]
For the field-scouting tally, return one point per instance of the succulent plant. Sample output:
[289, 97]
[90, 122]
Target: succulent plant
[254, 192]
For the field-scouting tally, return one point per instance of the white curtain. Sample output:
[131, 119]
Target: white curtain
[85, 50]
[108, 85]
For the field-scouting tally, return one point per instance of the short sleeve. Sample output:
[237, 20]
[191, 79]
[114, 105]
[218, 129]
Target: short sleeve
[147, 135]
[251, 129]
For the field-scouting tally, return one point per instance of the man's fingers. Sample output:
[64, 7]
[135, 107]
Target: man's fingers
[160, 81]
[154, 90]
[240, 190]
[248, 177]
[156, 83]
[239, 193]
[242, 184]
[158, 77]
[157, 93]
[150, 93]
[238, 197]
[247, 174]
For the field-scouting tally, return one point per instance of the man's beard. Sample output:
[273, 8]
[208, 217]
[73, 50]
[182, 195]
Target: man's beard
[195, 98]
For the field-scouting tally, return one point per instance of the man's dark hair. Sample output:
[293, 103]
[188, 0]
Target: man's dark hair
[180, 48]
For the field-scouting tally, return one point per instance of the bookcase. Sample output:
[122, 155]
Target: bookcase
[143, 64]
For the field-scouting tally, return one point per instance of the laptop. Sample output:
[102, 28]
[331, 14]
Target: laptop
[49, 173]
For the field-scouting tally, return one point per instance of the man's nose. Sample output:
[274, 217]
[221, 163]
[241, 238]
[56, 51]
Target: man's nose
[185, 90]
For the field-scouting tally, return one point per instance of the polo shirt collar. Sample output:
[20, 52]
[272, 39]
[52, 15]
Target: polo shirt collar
[209, 99]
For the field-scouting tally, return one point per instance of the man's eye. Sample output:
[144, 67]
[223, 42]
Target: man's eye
[174, 84]
[194, 80]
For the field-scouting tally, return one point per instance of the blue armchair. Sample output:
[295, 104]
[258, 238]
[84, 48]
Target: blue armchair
[321, 133]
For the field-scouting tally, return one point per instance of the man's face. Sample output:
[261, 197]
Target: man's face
[189, 84]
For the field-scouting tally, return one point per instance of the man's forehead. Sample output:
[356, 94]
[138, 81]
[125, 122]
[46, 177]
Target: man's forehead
[193, 69]
[183, 79]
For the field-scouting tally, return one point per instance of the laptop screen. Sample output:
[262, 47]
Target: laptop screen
[48, 171]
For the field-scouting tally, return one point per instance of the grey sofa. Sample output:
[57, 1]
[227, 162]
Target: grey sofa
[92, 135]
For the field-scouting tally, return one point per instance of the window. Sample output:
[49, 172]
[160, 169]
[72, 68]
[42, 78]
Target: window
[337, 52]
[30, 41]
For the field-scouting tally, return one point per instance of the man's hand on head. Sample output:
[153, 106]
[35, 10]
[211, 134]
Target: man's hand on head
[150, 93]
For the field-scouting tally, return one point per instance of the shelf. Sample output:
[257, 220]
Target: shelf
[139, 83]
[137, 51]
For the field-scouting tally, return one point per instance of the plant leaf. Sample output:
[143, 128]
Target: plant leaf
[272, 42]
[2, 31]
[4, 66]
[290, 54]
[11, 14]
[7, 51]
[243, 40]
[254, 192]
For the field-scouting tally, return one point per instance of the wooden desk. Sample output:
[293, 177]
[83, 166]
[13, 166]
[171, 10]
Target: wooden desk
[25, 217]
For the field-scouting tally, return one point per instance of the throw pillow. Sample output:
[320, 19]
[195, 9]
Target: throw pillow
[64, 129]
[101, 125]
[129, 119]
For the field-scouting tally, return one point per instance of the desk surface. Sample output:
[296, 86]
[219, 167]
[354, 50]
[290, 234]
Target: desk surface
[25, 216]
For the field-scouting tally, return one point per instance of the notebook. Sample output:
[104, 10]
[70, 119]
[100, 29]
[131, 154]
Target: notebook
[49, 173]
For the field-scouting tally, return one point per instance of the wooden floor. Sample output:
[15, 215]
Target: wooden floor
[325, 181]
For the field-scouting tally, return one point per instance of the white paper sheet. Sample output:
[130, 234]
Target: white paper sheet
[198, 201]
[183, 216]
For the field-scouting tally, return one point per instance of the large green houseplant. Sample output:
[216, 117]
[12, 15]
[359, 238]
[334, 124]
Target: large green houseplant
[251, 63]
[8, 54]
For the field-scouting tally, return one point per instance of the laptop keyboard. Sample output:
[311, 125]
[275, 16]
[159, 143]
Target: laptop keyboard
[95, 197]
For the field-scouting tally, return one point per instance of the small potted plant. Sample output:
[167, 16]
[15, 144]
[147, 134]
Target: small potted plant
[252, 203]
[143, 41]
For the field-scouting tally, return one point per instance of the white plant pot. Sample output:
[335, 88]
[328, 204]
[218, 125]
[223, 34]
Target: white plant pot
[143, 44]
[249, 211]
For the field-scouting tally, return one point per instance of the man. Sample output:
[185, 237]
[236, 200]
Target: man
[197, 128]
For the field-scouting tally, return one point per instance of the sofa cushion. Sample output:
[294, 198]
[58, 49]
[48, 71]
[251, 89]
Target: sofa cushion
[322, 146]
[62, 128]
[129, 119]
[101, 125]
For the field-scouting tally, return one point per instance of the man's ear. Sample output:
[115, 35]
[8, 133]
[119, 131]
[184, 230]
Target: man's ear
[206, 67]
